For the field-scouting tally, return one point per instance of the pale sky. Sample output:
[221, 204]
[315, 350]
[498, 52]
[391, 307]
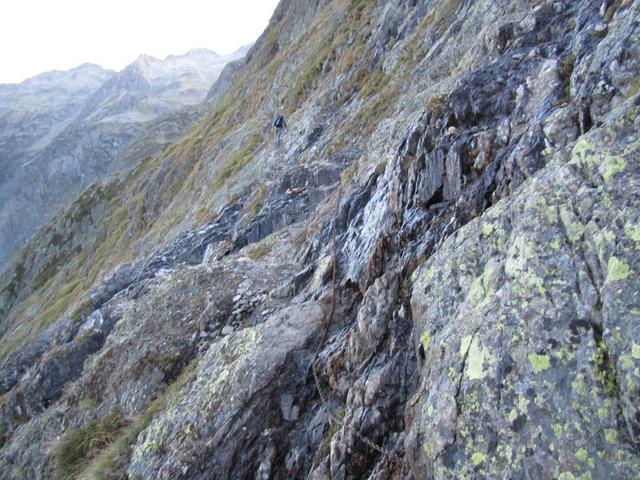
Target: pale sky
[42, 35]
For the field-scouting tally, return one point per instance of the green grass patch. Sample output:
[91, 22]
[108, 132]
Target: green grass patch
[255, 203]
[89, 403]
[348, 173]
[437, 105]
[112, 462]
[308, 80]
[612, 9]
[53, 266]
[58, 304]
[359, 78]
[259, 251]
[444, 16]
[273, 37]
[374, 112]
[80, 445]
[237, 160]
[605, 370]
[375, 83]
[112, 246]
[11, 289]
[106, 465]
[358, 8]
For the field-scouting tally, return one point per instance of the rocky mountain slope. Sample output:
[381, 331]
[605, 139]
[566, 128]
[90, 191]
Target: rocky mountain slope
[434, 276]
[39, 105]
[62, 131]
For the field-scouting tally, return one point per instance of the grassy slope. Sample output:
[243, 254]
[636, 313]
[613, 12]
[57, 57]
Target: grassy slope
[217, 160]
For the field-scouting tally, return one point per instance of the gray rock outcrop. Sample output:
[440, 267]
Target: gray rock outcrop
[434, 276]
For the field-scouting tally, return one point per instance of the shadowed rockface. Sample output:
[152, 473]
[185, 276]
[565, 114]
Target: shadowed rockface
[447, 238]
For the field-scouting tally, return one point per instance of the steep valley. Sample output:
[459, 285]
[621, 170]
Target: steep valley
[62, 131]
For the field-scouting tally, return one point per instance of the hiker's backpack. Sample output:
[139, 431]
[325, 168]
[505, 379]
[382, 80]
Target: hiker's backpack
[279, 123]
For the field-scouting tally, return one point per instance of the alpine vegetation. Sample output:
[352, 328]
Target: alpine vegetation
[400, 240]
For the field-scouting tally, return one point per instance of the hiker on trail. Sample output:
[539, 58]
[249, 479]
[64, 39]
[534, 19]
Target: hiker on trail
[279, 124]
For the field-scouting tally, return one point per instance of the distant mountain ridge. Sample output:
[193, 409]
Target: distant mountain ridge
[62, 130]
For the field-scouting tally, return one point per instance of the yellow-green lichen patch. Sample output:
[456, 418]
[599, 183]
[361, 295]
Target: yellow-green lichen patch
[479, 359]
[603, 410]
[583, 152]
[513, 414]
[537, 282]
[539, 363]
[414, 276]
[425, 340]
[566, 476]
[476, 291]
[325, 265]
[426, 448]
[608, 235]
[469, 402]
[523, 404]
[487, 229]
[611, 435]
[465, 343]
[617, 269]
[635, 351]
[478, 458]
[582, 455]
[522, 255]
[430, 410]
[579, 384]
[215, 387]
[555, 244]
[611, 165]
[632, 231]
[247, 339]
[571, 224]
[429, 274]
[627, 362]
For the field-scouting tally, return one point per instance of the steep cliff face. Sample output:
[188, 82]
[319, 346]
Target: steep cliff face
[434, 276]
[62, 131]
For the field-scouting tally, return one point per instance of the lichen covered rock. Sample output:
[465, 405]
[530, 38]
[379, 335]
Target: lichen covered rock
[531, 368]
[228, 411]
[433, 276]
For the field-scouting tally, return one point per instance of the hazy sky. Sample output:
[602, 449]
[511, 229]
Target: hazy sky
[41, 35]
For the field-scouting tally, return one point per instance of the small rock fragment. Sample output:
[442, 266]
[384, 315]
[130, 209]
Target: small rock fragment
[227, 330]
